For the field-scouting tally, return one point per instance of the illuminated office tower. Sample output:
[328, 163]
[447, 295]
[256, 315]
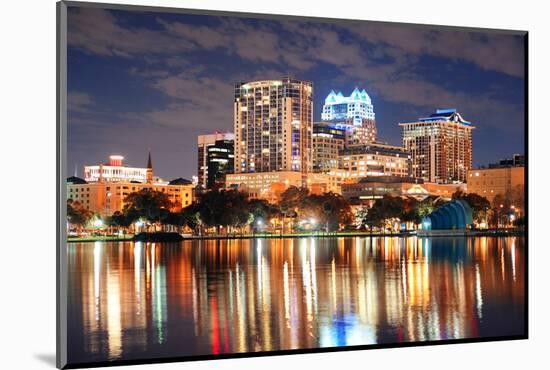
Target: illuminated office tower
[440, 146]
[273, 122]
[354, 114]
[220, 161]
[207, 151]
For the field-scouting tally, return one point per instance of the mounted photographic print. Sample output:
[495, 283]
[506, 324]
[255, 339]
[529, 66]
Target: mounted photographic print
[236, 184]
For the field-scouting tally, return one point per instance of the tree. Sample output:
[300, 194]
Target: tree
[512, 202]
[176, 219]
[292, 201]
[424, 208]
[409, 211]
[192, 219]
[120, 220]
[384, 209]
[77, 214]
[361, 216]
[148, 204]
[336, 210]
[262, 210]
[480, 205]
[227, 208]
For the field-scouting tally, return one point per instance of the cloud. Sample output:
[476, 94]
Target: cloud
[383, 57]
[100, 32]
[148, 73]
[490, 51]
[79, 101]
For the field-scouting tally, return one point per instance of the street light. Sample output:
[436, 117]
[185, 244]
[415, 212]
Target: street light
[98, 223]
[313, 223]
[138, 224]
[259, 224]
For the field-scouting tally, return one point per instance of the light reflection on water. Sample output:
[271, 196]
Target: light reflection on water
[138, 301]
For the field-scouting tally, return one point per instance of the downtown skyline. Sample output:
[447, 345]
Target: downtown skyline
[140, 80]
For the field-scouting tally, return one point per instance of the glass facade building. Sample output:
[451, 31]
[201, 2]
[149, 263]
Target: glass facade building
[204, 143]
[220, 161]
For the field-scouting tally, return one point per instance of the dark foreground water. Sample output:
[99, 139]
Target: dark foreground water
[139, 301]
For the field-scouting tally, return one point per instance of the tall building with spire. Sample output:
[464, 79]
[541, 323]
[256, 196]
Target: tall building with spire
[107, 186]
[149, 172]
[440, 146]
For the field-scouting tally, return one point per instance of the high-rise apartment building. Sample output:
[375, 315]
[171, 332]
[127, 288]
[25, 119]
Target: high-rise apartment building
[440, 146]
[205, 142]
[327, 143]
[273, 122]
[354, 114]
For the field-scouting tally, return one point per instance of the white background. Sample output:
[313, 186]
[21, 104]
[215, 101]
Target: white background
[27, 199]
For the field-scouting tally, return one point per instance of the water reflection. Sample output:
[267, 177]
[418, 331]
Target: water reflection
[137, 301]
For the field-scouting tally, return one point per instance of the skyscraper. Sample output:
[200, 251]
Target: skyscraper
[273, 122]
[440, 145]
[354, 114]
[204, 143]
[356, 107]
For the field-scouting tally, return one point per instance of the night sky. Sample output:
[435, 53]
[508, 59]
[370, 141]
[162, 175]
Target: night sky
[144, 80]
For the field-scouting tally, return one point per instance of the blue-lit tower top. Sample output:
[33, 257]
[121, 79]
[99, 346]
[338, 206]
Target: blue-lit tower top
[447, 114]
[356, 107]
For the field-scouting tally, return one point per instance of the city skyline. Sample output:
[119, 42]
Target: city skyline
[163, 90]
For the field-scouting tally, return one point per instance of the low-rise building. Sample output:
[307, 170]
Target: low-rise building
[105, 198]
[375, 159]
[488, 182]
[115, 171]
[105, 195]
[270, 185]
[368, 189]
[264, 185]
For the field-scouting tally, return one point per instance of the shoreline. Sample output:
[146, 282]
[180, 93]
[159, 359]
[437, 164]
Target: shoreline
[422, 234]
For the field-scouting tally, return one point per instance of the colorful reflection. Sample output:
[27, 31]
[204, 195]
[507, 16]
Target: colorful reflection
[138, 301]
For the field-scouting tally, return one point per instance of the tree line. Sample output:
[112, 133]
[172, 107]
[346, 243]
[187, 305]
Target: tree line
[231, 211]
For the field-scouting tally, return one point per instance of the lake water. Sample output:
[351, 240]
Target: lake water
[145, 300]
